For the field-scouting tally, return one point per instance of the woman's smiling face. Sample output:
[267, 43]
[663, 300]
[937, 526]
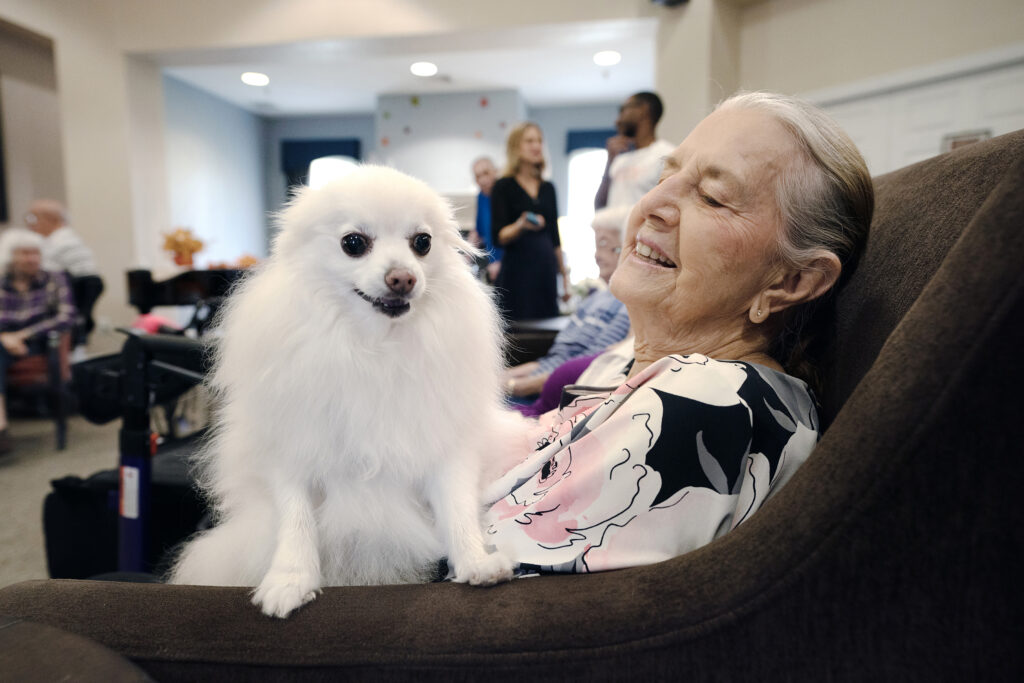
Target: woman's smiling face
[701, 245]
[531, 146]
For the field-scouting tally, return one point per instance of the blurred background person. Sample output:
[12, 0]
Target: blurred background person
[485, 173]
[600, 321]
[33, 302]
[524, 214]
[635, 154]
[64, 250]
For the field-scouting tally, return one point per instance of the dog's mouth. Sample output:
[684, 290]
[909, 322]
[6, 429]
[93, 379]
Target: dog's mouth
[389, 306]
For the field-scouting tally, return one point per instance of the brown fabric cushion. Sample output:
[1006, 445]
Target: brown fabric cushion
[920, 211]
[34, 652]
[893, 553]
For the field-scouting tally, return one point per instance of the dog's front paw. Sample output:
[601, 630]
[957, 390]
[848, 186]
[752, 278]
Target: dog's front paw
[280, 593]
[484, 570]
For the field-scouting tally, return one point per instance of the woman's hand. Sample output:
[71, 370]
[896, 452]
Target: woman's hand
[511, 232]
[526, 386]
[521, 370]
[14, 343]
[526, 224]
[617, 144]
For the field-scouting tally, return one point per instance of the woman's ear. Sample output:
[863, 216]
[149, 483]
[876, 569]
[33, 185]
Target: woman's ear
[794, 287]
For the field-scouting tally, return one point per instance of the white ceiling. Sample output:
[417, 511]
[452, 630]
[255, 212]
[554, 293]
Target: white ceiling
[549, 65]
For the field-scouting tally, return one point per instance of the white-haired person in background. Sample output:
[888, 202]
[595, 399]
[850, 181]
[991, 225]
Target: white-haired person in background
[33, 302]
[600, 321]
[63, 249]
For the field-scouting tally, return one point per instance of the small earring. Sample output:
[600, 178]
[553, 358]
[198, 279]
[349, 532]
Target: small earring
[759, 313]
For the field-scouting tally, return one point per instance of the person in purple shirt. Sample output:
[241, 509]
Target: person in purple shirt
[33, 302]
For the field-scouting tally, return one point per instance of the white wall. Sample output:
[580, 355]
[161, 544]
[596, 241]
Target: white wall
[902, 125]
[33, 160]
[691, 74]
[149, 183]
[436, 137]
[797, 46]
[215, 168]
[276, 130]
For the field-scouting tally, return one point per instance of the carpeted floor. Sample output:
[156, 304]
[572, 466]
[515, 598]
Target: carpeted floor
[25, 476]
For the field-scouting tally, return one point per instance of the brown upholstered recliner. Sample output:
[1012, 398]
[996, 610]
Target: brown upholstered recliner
[893, 554]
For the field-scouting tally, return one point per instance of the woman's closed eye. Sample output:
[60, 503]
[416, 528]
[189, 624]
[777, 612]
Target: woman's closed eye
[709, 200]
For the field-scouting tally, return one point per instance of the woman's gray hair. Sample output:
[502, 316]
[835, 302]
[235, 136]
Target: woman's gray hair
[17, 238]
[826, 204]
[611, 218]
[20, 238]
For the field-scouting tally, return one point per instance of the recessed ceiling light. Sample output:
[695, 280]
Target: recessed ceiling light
[423, 69]
[607, 58]
[255, 78]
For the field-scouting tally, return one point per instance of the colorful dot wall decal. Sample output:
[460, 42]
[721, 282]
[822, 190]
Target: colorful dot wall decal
[407, 130]
[385, 115]
[484, 102]
[384, 142]
[414, 101]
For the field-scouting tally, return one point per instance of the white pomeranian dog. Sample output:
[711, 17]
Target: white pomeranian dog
[358, 376]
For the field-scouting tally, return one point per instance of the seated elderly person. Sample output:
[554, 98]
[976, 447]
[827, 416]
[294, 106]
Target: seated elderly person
[758, 215]
[32, 303]
[600, 321]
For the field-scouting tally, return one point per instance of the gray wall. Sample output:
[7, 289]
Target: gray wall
[556, 122]
[33, 159]
[215, 168]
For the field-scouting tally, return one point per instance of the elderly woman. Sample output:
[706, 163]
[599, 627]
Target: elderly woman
[759, 213]
[33, 302]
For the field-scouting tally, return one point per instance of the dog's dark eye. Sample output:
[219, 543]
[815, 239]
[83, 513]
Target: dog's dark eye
[355, 244]
[420, 243]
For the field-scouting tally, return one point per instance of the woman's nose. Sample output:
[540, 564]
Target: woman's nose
[660, 205]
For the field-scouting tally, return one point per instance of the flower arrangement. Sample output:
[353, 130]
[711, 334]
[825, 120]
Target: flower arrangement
[182, 244]
[243, 262]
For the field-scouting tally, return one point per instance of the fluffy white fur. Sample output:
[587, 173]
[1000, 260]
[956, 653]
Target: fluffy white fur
[350, 442]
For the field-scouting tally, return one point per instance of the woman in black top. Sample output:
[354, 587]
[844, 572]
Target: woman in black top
[524, 213]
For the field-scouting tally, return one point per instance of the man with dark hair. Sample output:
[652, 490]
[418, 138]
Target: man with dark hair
[634, 154]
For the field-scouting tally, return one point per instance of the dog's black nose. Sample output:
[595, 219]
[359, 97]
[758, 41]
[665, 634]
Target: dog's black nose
[400, 281]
